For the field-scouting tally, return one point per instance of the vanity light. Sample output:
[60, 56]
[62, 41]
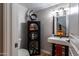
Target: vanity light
[59, 12]
[52, 13]
[64, 12]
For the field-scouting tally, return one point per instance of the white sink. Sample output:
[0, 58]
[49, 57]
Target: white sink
[58, 40]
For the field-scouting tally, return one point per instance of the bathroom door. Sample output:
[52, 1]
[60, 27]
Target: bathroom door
[1, 29]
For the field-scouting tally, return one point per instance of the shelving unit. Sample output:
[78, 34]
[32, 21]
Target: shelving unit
[33, 37]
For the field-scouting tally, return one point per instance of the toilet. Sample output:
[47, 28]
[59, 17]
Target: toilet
[22, 52]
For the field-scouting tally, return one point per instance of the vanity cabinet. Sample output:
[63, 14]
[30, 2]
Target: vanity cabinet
[60, 46]
[61, 50]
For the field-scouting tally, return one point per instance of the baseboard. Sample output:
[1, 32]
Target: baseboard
[45, 51]
[3, 54]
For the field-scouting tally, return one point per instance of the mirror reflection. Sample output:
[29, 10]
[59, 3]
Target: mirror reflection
[61, 25]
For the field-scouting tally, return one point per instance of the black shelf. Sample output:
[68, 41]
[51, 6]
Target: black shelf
[33, 37]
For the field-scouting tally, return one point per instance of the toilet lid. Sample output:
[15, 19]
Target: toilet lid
[23, 52]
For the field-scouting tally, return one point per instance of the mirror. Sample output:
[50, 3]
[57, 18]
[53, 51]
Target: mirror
[61, 26]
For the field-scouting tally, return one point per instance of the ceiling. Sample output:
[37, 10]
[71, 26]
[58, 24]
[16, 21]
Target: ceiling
[37, 6]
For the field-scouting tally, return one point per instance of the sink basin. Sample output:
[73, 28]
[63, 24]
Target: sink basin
[58, 40]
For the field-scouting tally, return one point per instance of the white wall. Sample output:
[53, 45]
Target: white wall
[18, 16]
[46, 18]
[46, 29]
[73, 19]
[74, 28]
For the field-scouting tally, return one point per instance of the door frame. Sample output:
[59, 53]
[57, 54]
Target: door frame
[10, 34]
[7, 31]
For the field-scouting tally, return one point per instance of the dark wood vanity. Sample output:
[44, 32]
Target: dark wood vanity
[61, 52]
[60, 46]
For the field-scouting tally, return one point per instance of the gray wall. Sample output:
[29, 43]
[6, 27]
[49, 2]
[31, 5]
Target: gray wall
[74, 27]
[46, 29]
[46, 18]
[73, 19]
[18, 17]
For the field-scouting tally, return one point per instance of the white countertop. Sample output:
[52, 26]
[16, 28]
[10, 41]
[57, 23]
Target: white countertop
[58, 40]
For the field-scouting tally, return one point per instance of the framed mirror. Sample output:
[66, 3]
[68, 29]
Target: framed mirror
[60, 25]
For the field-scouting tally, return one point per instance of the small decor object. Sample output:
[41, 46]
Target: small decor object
[30, 15]
[33, 16]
